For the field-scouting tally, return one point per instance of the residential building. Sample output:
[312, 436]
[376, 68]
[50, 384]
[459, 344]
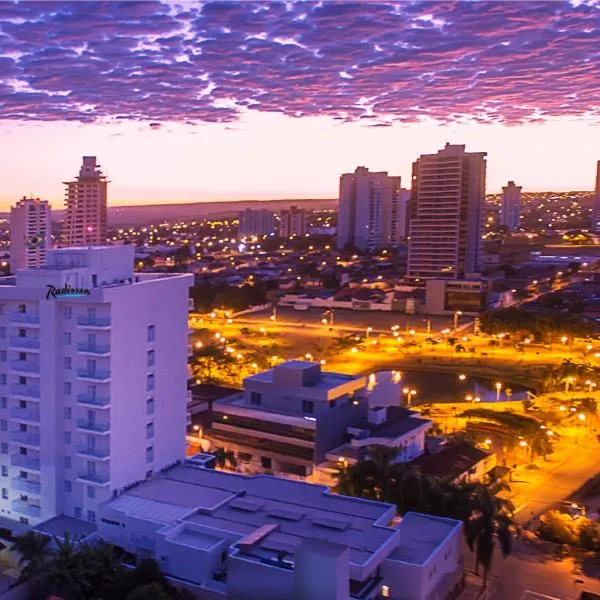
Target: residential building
[93, 369]
[596, 208]
[256, 222]
[510, 210]
[292, 222]
[372, 210]
[86, 197]
[294, 419]
[448, 296]
[263, 538]
[447, 197]
[30, 233]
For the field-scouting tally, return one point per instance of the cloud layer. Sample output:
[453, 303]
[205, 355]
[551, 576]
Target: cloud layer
[379, 63]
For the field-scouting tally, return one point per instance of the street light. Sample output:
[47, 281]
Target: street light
[581, 417]
[523, 444]
[369, 329]
[457, 314]
[462, 377]
[564, 339]
[568, 381]
[498, 389]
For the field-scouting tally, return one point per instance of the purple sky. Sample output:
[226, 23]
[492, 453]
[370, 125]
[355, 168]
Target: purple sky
[201, 101]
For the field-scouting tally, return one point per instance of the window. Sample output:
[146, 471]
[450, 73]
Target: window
[308, 406]
[22, 356]
[24, 520]
[3, 379]
[22, 308]
[332, 404]
[385, 591]
[265, 462]
[4, 494]
[150, 358]
[67, 437]
[149, 454]
[67, 462]
[68, 413]
[22, 333]
[22, 380]
[68, 486]
[67, 362]
[67, 338]
[3, 425]
[67, 387]
[150, 406]
[3, 402]
[91, 516]
[77, 512]
[4, 448]
[255, 398]
[151, 333]
[4, 471]
[149, 431]
[3, 355]
[2, 332]
[91, 492]
[150, 383]
[67, 312]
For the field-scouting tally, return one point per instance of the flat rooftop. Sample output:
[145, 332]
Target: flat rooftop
[420, 536]
[229, 505]
[326, 381]
[61, 525]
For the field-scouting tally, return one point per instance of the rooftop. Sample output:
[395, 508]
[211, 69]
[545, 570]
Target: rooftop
[451, 462]
[420, 536]
[399, 421]
[326, 380]
[61, 525]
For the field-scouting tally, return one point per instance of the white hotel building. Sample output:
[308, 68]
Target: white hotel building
[92, 384]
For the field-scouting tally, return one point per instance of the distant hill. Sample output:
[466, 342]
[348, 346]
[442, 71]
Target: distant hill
[155, 213]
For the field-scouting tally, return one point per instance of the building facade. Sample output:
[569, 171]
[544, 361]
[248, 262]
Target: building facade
[510, 209]
[256, 222]
[596, 208]
[93, 369]
[293, 222]
[85, 202]
[371, 211]
[447, 199]
[30, 233]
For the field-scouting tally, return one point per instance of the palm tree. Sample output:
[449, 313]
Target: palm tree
[225, 459]
[34, 553]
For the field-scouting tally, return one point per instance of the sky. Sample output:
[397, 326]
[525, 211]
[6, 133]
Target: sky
[200, 101]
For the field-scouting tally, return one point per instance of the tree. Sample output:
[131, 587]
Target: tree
[34, 553]
[225, 459]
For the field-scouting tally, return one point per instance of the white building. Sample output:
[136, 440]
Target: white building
[30, 233]
[292, 222]
[85, 202]
[372, 210]
[256, 222]
[93, 369]
[447, 198]
[596, 208]
[510, 210]
[263, 538]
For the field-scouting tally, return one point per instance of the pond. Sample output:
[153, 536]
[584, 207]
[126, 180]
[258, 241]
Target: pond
[393, 388]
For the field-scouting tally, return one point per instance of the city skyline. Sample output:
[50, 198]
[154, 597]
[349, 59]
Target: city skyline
[268, 100]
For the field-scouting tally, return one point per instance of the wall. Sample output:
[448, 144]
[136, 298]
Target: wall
[251, 580]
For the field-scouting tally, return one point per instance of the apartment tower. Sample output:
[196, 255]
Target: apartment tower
[510, 210]
[596, 209]
[93, 371]
[372, 210]
[447, 198]
[256, 222]
[86, 197]
[30, 233]
[292, 222]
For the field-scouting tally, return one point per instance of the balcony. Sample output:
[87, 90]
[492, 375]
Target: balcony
[21, 506]
[93, 426]
[90, 322]
[24, 438]
[24, 485]
[24, 319]
[96, 478]
[95, 401]
[24, 343]
[95, 349]
[22, 366]
[25, 391]
[97, 453]
[25, 462]
[98, 376]
[25, 414]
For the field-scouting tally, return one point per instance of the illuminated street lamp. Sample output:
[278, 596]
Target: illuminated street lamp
[562, 408]
[523, 444]
[469, 398]
[568, 381]
[354, 350]
[581, 417]
[564, 339]
[498, 389]
[462, 377]
[457, 314]
[369, 329]
[410, 394]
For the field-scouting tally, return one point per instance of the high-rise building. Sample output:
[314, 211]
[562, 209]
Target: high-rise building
[86, 197]
[256, 222]
[30, 233]
[510, 210]
[372, 210]
[78, 422]
[596, 209]
[447, 198]
[292, 222]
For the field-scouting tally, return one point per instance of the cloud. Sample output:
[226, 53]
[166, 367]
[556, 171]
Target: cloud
[503, 62]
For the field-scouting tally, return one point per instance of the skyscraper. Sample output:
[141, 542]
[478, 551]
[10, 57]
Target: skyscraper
[448, 193]
[78, 421]
[510, 210]
[30, 233]
[86, 197]
[256, 222]
[371, 213]
[292, 222]
[596, 209]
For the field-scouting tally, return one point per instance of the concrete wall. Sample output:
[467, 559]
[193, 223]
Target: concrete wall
[251, 580]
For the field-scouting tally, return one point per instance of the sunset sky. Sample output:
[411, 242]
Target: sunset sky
[189, 101]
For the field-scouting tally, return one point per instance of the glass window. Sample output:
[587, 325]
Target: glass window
[68, 412]
[149, 431]
[308, 406]
[149, 454]
[68, 486]
[150, 406]
[4, 471]
[67, 362]
[91, 491]
[255, 398]
[67, 387]
[151, 333]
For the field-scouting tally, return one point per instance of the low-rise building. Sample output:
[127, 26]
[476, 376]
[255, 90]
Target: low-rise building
[264, 538]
